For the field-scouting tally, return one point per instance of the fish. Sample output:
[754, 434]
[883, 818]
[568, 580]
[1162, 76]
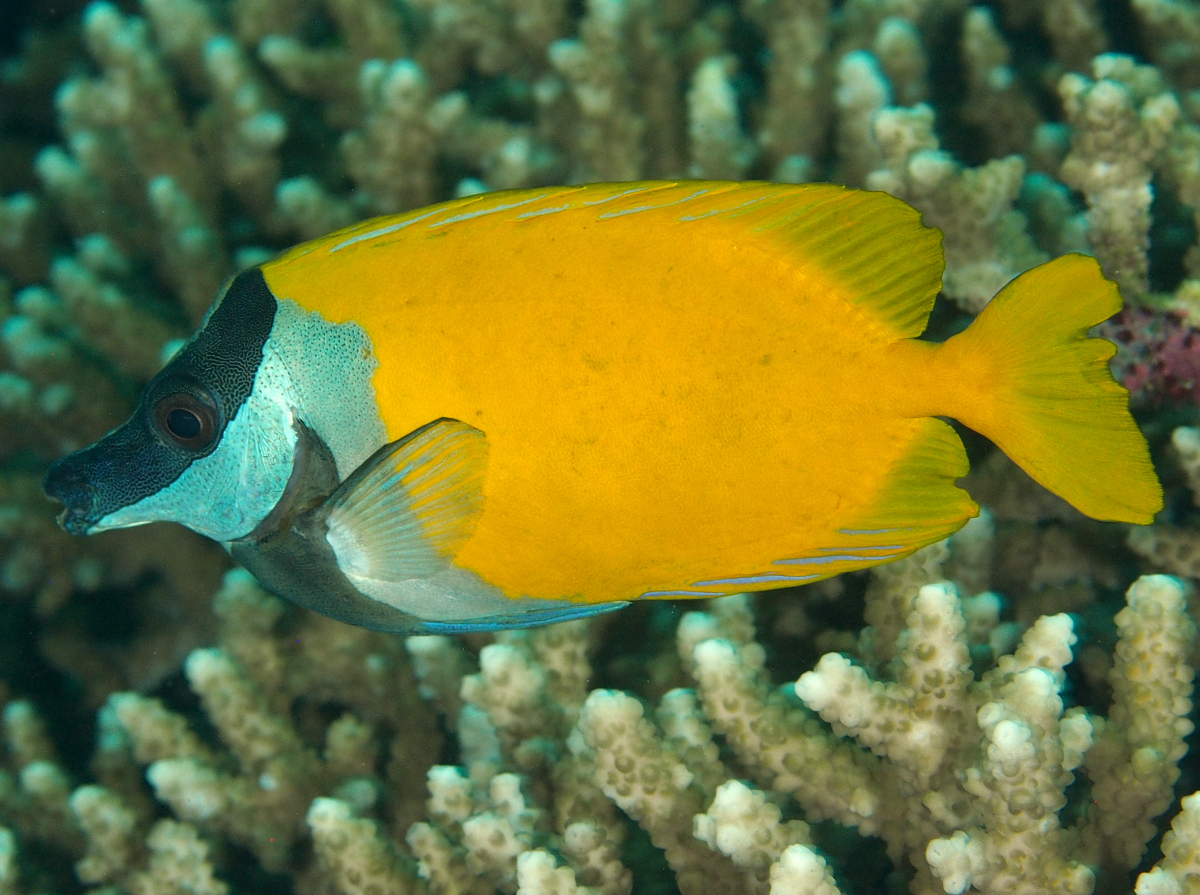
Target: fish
[529, 406]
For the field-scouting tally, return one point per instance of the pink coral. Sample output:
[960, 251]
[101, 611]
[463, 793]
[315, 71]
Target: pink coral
[1158, 356]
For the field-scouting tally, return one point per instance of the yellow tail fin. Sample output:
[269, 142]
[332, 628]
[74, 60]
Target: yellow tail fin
[1046, 395]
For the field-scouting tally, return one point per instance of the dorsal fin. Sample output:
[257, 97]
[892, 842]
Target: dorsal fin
[917, 504]
[871, 245]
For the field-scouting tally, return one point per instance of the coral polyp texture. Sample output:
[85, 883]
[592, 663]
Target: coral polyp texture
[1009, 711]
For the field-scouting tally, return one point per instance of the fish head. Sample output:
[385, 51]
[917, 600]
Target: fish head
[177, 421]
[211, 443]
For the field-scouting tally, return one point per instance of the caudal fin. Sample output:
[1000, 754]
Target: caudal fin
[1047, 397]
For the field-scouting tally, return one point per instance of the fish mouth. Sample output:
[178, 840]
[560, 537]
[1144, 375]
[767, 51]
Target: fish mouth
[68, 484]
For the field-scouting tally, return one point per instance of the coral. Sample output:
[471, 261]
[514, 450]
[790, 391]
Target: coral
[794, 118]
[1186, 442]
[739, 823]
[1143, 737]
[1179, 869]
[901, 52]
[997, 102]
[354, 853]
[127, 129]
[1175, 549]
[608, 131]
[1172, 33]
[651, 785]
[1075, 28]
[1158, 356]
[784, 750]
[259, 792]
[1120, 123]
[862, 91]
[719, 149]
[985, 239]
[800, 869]
[906, 721]
[391, 157]
[22, 240]
[964, 776]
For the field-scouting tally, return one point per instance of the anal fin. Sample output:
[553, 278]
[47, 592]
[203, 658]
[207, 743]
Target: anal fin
[919, 502]
[917, 505]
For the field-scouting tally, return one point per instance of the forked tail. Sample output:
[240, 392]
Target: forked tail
[1045, 394]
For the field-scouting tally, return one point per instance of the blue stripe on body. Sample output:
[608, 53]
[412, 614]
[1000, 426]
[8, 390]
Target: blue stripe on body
[382, 231]
[468, 215]
[617, 214]
[756, 579]
[541, 211]
[640, 189]
[681, 593]
[708, 214]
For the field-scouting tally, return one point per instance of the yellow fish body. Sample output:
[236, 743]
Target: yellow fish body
[603, 393]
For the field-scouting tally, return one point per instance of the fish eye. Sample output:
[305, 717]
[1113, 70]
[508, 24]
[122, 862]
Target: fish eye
[186, 420]
[184, 424]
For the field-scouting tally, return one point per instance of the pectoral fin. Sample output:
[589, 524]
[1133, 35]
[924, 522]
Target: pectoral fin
[407, 509]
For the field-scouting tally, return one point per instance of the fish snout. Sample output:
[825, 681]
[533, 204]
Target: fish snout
[66, 482]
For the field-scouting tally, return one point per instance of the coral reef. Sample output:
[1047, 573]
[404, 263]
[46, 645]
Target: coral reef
[1009, 711]
[317, 755]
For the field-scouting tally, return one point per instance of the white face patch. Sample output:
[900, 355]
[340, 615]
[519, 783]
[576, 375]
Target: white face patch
[311, 369]
[226, 494]
[331, 368]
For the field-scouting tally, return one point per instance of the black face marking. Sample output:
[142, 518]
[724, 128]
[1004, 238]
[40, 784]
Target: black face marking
[180, 417]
